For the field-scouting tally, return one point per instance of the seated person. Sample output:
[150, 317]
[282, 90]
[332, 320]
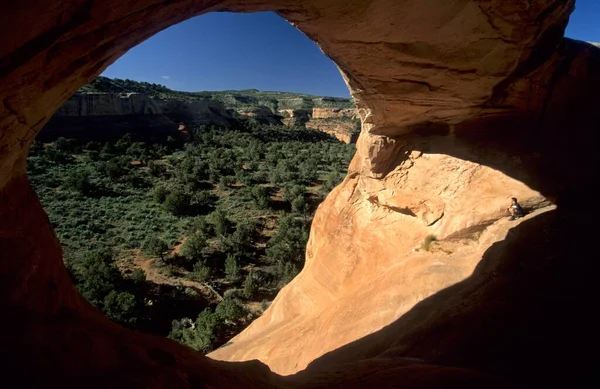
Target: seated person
[515, 209]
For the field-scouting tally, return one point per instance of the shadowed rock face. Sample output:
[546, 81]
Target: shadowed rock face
[463, 104]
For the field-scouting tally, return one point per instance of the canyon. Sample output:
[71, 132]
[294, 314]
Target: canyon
[104, 115]
[462, 105]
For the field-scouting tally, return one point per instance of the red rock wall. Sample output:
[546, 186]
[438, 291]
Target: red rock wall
[461, 102]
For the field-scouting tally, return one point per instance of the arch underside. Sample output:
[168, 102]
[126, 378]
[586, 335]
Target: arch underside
[463, 104]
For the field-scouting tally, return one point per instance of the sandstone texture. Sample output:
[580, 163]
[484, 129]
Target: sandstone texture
[339, 122]
[463, 104]
[326, 113]
[343, 130]
[263, 114]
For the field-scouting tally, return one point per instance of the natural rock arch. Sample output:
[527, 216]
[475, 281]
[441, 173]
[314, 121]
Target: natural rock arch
[441, 87]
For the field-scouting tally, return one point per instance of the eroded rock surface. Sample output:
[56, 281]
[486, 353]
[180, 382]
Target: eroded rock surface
[463, 104]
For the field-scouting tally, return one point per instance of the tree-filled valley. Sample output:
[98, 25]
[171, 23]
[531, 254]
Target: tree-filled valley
[188, 237]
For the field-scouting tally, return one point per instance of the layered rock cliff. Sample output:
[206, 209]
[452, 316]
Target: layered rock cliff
[343, 123]
[98, 115]
[463, 104]
[105, 116]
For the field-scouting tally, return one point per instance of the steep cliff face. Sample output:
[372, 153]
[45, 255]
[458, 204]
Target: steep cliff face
[339, 122]
[99, 104]
[327, 113]
[463, 104]
[262, 114]
[343, 123]
[204, 112]
[371, 231]
[105, 116]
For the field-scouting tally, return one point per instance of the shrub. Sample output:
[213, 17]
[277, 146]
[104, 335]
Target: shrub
[219, 220]
[177, 202]
[260, 197]
[426, 245]
[201, 272]
[156, 246]
[159, 193]
[64, 144]
[233, 293]
[264, 305]
[138, 276]
[114, 170]
[232, 269]
[229, 309]
[226, 181]
[299, 205]
[250, 286]
[79, 181]
[193, 247]
[121, 307]
[155, 169]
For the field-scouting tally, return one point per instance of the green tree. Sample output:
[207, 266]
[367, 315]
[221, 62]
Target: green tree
[177, 202]
[232, 269]
[160, 193]
[114, 170]
[156, 246]
[250, 286]
[96, 275]
[122, 308]
[218, 218]
[260, 197]
[299, 205]
[138, 276]
[201, 271]
[193, 247]
[229, 310]
[79, 181]
[64, 144]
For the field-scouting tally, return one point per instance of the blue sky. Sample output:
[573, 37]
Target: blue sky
[584, 23]
[221, 51]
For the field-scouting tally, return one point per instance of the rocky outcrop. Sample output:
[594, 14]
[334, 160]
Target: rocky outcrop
[295, 117]
[107, 116]
[343, 129]
[339, 122]
[261, 114]
[328, 113]
[108, 104]
[463, 104]
[426, 193]
[203, 112]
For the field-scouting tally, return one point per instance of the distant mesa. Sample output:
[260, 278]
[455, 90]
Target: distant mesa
[107, 108]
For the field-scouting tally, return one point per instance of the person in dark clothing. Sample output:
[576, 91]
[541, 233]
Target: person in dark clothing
[515, 209]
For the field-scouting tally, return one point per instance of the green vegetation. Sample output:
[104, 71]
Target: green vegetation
[429, 239]
[242, 99]
[187, 240]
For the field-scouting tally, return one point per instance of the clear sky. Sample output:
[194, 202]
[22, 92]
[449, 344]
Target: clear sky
[584, 23]
[219, 51]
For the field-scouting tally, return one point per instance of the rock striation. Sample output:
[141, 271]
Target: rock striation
[463, 104]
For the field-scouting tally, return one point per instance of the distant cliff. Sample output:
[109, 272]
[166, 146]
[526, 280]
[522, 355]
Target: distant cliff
[106, 108]
[343, 123]
[105, 116]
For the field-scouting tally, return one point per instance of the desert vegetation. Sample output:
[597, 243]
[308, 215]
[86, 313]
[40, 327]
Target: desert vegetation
[186, 239]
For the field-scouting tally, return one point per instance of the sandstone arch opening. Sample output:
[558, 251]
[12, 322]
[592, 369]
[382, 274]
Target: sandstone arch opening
[472, 63]
[183, 213]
